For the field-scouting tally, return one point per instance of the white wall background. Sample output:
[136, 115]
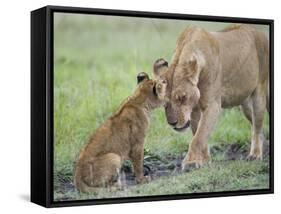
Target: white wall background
[15, 106]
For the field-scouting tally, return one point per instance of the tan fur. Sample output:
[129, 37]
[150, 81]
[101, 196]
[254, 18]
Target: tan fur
[214, 70]
[121, 137]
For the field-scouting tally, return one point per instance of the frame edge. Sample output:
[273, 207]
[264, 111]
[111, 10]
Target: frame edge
[38, 191]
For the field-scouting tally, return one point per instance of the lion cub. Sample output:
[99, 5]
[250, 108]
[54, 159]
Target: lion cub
[121, 137]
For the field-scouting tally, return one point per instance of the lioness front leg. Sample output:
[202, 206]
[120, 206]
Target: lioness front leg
[198, 152]
[195, 118]
[136, 156]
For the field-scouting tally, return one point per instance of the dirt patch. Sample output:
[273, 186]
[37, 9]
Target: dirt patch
[237, 151]
[154, 166]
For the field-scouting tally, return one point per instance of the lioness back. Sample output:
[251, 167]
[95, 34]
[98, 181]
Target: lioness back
[244, 60]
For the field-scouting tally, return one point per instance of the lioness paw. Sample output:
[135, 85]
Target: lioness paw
[254, 157]
[144, 179]
[189, 166]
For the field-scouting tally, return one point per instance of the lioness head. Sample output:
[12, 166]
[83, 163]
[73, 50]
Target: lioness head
[153, 92]
[182, 93]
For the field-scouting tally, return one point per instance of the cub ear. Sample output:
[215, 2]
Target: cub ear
[159, 89]
[160, 66]
[142, 76]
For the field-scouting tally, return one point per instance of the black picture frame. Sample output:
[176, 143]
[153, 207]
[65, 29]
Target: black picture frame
[42, 104]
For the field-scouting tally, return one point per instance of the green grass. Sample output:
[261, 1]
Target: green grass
[217, 177]
[96, 63]
[224, 176]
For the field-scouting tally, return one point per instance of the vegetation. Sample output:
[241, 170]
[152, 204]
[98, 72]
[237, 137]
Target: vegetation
[96, 62]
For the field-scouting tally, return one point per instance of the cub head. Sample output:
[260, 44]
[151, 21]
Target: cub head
[182, 93]
[153, 92]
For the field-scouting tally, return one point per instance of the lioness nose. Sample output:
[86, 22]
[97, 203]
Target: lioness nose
[173, 123]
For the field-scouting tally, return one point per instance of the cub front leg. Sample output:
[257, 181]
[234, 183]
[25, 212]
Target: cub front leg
[136, 156]
[198, 152]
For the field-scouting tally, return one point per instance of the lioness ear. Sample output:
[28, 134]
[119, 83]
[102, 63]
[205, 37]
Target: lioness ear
[160, 66]
[192, 63]
[196, 63]
[142, 76]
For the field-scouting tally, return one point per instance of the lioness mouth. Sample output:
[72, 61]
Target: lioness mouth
[183, 128]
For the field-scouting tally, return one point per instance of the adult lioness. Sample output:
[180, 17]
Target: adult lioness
[214, 70]
[121, 137]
